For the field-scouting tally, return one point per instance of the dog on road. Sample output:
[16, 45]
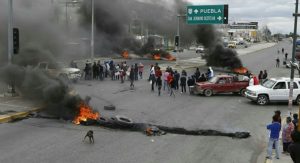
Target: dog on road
[90, 135]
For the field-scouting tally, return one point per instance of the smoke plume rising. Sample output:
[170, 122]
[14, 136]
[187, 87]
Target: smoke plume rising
[41, 40]
[217, 54]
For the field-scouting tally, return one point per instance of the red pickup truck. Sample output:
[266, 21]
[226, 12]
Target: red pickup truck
[220, 84]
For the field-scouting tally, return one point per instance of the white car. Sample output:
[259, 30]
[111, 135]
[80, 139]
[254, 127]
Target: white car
[200, 49]
[274, 90]
[58, 70]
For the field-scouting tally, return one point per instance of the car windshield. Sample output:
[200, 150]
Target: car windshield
[269, 83]
[213, 80]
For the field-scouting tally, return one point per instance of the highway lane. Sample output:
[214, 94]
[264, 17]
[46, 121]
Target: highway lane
[40, 140]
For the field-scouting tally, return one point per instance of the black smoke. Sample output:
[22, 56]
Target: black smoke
[42, 39]
[217, 55]
[113, 20]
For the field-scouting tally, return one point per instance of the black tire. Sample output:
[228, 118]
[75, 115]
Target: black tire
[208, 92]
[298, 100]
[242, 92]
[123, 121]
[262, 100]
[109, 107]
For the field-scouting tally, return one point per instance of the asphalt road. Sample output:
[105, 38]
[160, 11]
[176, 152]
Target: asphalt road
[43, 140]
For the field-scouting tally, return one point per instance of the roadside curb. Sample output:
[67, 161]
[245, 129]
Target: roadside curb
[10, 117]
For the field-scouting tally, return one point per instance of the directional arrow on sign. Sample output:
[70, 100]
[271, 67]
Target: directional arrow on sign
[196, 11]
[219, 18]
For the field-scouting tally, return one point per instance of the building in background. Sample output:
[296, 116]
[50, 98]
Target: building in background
[246, 30]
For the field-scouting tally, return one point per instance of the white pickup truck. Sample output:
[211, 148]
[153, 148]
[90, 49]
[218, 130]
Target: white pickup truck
[58, 70]
[274, 90]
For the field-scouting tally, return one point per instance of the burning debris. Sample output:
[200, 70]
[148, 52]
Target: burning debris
[87, 116]
[85, 112]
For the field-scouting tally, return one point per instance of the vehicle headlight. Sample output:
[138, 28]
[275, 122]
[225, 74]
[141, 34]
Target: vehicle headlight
[252, 93]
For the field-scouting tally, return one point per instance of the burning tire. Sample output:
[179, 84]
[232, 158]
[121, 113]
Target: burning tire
[262, 99]
[123, 121]
[208, 92]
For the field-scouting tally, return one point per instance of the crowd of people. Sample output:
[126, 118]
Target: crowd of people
[109, 69]
[171, 80]
[290, 137]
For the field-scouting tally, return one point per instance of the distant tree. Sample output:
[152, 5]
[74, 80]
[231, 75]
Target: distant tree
[266, 33]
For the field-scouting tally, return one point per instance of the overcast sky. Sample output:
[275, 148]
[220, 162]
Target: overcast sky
[276, 14]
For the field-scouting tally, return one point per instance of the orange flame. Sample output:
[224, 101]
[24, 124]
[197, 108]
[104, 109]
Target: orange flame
[125, 54]
[85, 112]
[156, 56]
[169, 57]
[240, 70]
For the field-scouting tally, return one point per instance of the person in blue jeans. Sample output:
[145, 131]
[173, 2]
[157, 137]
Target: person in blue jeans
[275, 128]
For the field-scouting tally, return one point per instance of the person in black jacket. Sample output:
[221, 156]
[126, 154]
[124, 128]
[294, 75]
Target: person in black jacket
[183, 82]
[294, 148]
[190, 82]
[176, 80]
[202, 78]
[131, 77]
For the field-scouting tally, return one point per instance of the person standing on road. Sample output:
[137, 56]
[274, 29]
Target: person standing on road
[275, 128]
[176, 80]
[158, 80]
[277, 114]
[295, 120]
[190, 82]
[183, 82]
[286, 134]
[286, 55]
[294, 148]
[165, 76]
[141, 69]
[197, 74]
[282, 50]
[277, 62]
[265, 75]
[131, 77]
[171, 84]
[260, 76]
[136, 71]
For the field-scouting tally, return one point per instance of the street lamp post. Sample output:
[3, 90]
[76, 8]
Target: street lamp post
[290, 105]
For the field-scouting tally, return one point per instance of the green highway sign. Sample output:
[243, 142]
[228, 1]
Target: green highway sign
[208, 14]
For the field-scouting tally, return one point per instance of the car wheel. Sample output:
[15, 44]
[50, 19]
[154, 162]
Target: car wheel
[242, 92]
[262, 100]
[298, 100]
[208, 92]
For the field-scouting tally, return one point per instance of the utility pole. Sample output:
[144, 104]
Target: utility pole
[92, 34]
[11, 89]
[10, 31]
[293, 58]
